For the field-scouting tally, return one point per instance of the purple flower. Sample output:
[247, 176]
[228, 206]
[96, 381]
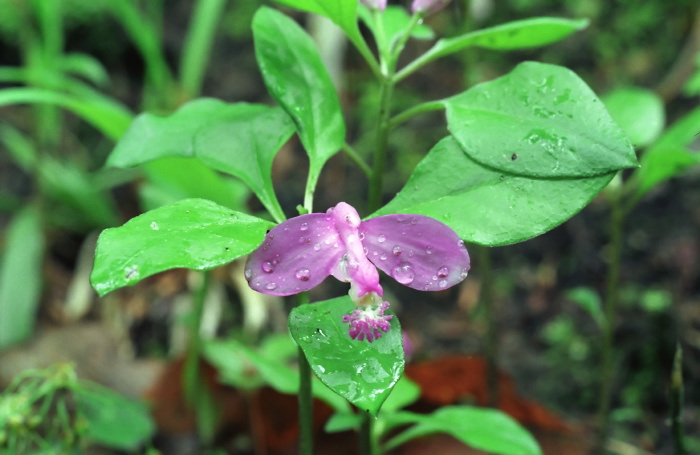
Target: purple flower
[428, 6]
[417, 251]
[374, 4]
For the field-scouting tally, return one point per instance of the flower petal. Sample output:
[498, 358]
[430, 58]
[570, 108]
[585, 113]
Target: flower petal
[416, 250]
[296, 256]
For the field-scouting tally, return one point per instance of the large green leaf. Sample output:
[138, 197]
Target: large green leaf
[342, 12]
[539, 120]
[522, 34]
[639, 112]
[489, 430]
[361, 372]
[20, 276]
[240, 139]
[486, 206]
[113, 420]
[193, 233]
[295, 76]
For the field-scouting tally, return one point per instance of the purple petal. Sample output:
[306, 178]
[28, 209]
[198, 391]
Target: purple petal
[295, 256]
[416, 250]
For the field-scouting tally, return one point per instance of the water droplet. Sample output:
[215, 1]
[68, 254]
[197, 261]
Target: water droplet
[131, 273]
[303, 274]
[414, 220]
[442, 283]
[327, 241]
[335, 245]
[460, 245]
[362, 236]
[155, 226]
[463, 274]
[365, 250]
[410, 253]
[271, 286]
[268, 267]
[403, 273]
[381, 238]
[248, 274]
[443, 272]
[304, 226]
[429, 250]
[396, 250]
[375, 253]
[266, 246]
[383, 257]
[317, 247]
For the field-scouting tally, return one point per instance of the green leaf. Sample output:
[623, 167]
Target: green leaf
[113, 420]
[539, 120]
[240, 139]
[108, 117]
[639, 112]
[342, 12]
[589, 300]
[21, 276]
[489, 430]
[522, 34]
[395, 20]
[485, 206]
[193, 233]
[295, 76]
[668, 156]
[86, 66]
[361, 372]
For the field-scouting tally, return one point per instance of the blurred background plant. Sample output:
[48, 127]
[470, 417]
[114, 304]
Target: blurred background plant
[73, 72]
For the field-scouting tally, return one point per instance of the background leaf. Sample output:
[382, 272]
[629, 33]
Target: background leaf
[539, 120]
[113, 420]
[193, 233]
[489, 430]
[21, 276]
[485, 206]
[395, 20]
[361, 372]
[295, 76]
[639, 112]
[240, 139]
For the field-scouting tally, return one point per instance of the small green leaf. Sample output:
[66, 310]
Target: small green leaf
[485, 206]
[240, 139]
[361, 372]
[113, 420]
[639, 112]
[193, 233]
[589, 300]
[21, 276]
[489, 430]
[395, 19]
[295, 76]
[539, 120]
[522, 34]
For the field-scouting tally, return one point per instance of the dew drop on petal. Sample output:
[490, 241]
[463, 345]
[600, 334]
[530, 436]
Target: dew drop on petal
[410, 253]
[267, 267]
[304, 226]
[302, 274]
[442, 283]
[396, 250]
[463, 274]
[362, 236]
[383, 257]
[403, 273]
[381, 238]
[443, 272]
[248, 274]
[460, 245]
[375, 253]
[271, 286]
[365, 250]
[429, 250]
[317, 247]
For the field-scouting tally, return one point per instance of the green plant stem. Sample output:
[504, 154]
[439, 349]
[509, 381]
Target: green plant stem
[198, 43]
[677, 403]
[376, 179]
[415, 110]
[306, 416]
[611, 299]
[487, 303]
[357, 159]
[367, 445]
[192, 378]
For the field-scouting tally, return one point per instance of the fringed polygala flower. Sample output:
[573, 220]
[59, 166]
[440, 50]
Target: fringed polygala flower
[416, 250]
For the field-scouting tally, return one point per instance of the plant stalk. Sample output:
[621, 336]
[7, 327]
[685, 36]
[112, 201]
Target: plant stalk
[677, 432]
[487, 303]
[611, 301]
[367, 446]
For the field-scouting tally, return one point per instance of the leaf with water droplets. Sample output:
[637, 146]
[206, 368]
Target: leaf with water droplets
[193, 233]
[296, 256]
[540, 121]
[363, 373]
[485, 206]
[417, 251]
